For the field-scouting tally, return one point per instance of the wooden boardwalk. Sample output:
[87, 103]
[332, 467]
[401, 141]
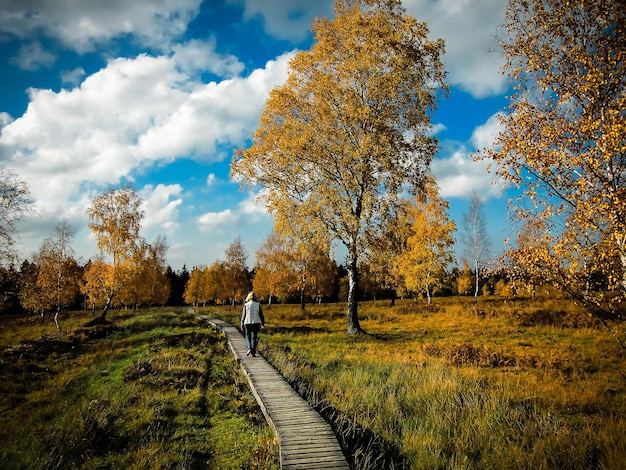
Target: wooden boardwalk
[305, 439]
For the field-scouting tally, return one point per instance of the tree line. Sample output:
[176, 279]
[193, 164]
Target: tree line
[129, 272]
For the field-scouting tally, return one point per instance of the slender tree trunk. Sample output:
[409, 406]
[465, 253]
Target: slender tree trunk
[56, 318]
[476, 287]
[353, 287]
[302, 302]
[428, 295]
[622, 258]
[106, 307]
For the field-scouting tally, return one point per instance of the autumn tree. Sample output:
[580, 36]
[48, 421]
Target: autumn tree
[381, 259]
[465, 280]
[144, 275]
[564, 140]
[429, 247]
[312, 269]
[271, 273]
[28, 293]
[194, 289]
[475, 239]
[58, 276]
[15, 202]
[214, 281]
[300, 261]
[531, 242]
[115, 221]
[236, 275]
[154, 273]
[95, 284]
[350, 129]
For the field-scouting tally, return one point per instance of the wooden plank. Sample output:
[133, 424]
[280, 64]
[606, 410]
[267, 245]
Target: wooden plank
[305, 439]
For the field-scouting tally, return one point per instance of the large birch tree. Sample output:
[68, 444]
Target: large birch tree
[115, 221]
[350, 129]
[564, 142]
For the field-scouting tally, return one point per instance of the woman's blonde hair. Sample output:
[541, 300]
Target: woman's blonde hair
[250, 296]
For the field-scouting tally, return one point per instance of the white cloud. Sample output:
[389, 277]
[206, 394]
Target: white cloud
[80, 26]
[286, 19]
[484, 135]
[217, 221]
[5, 118]
[73, 77]
[437, 128]
[127, 116]
[253, 208]
[200, 56]
[459, 174]
[213, 114]
[250, 211]
[32, 56]
[160, 210]
[469, 29]
[211, 180]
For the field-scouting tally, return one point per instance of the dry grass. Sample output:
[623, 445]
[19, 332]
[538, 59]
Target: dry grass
[498, 384]
[155, 390]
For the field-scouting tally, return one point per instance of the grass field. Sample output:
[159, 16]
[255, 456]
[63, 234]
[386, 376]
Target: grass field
[154, 390]
[515, 384]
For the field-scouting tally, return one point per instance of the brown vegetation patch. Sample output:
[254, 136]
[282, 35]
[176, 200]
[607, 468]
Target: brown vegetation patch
[299, 329]
[96, 331]
[467, 354]
[558, 318]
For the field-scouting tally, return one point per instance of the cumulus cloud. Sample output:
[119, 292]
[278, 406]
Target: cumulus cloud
[484, 135]
[201, 56]
[128, 116]
[212, 115]
[73, 77]
[160, 210]
[459, 174]
[469, 29]
[5, 118]
[217, 221]
[286, 19]
[33, 56]
[80, 26]
[249, 211]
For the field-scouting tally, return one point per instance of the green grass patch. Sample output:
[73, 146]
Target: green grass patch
[513, 384]
[154, 389]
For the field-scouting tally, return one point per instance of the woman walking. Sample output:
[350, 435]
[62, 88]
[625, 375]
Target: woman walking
[252, 321]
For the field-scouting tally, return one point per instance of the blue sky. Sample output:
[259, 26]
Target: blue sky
[157, 93]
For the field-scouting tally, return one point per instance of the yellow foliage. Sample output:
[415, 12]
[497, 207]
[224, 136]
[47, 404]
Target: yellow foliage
[349, 130]
[564, 142]
[429, 249]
